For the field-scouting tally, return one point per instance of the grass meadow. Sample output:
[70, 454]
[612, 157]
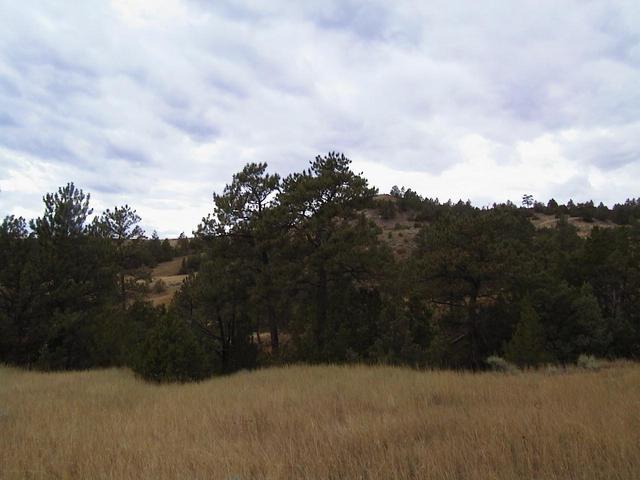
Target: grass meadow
[323, 422]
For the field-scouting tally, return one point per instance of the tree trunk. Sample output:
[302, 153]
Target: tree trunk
[224, 344]
[321, 308]
[473, 329]
[273, 328]
[123, 291]
[271, 312]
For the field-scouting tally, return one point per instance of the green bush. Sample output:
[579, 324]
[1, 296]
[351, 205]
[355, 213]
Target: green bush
[171, 353]
[387, 210]
[527, 345]
[588, 362]
[190, 264]
[159, 286]
[499, 364]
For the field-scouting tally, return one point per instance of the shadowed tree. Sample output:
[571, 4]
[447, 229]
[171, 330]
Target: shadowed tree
[120, 225]
[611, 265]
[242, 214]
[527, 200]
[77, 272]
[527, 346]
[65, 214]
[20, 325]
[216, 303]
[170, 353]
[467, 263]
[331, 243]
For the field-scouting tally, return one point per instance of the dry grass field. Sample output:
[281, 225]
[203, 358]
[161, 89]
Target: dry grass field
[321, 423]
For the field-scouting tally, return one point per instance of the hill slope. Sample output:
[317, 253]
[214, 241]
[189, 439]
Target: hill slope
[169, 274]
[400, 230]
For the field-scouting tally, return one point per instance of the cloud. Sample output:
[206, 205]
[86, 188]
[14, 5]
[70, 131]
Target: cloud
[157, 103]
[607, 148]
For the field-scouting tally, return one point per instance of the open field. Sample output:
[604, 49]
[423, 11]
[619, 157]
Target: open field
[323, 422]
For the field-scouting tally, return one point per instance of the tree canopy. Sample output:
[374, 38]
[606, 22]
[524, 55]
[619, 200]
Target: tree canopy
[299, 268]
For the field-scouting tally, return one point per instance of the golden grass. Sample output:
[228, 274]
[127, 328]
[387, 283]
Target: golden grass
[323, 422]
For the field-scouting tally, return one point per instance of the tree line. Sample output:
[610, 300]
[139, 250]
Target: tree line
[429, 209]
[293, 270]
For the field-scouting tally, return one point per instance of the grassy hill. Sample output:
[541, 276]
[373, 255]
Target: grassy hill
[323, 422]
[540, 220]
[400, 230]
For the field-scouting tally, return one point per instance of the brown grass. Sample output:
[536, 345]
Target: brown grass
[402, 240]
[541, 220]
[169, 273]
[164, 269]
[172, 284]
[323, 422]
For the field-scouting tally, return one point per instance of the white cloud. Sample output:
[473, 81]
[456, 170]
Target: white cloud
[141, 13]
[157, 103]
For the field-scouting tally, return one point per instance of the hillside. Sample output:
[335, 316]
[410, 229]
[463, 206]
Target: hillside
[540, 221]
[400, 230]
[321, 423]
[169, 274]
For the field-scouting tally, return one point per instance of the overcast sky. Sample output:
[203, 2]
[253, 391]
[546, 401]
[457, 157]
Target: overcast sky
[156, 103]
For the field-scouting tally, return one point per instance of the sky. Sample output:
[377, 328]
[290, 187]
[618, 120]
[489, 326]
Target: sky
[156, 103]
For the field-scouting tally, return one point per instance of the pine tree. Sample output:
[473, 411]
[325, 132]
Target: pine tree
[331, 246]
[243, 214]
[527, 346]
[170, 353]
[120, 225]
[466, 262]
